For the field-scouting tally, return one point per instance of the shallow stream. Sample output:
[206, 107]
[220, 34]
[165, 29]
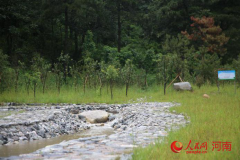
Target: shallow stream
[31, 146]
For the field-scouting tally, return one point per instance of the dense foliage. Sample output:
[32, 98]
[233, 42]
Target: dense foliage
[91, 43]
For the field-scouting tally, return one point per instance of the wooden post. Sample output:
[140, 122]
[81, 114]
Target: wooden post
[218, 85]
[180, 79]
[172, 81]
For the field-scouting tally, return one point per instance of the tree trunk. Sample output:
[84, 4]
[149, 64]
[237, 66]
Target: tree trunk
[165, 88]
[71, 32]
[164, 75]
[34, 89]
[119, 24]
[59, 83]
[111, 88]
[27, 86]
[52, 39]
[84, 87]
[76, 45]
[9, 44]
[145, 79]
[76, 83]
[58, 88]
[43, 89]
[60, 27]
[100, 82]
[44, 82]
[65, 73]
[127, 84]
[65, 51]
[16, 80]
[183, 66]
[81, 49]
[84, 84]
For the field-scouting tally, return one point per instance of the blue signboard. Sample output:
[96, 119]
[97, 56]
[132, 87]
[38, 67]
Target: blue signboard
[226, 75]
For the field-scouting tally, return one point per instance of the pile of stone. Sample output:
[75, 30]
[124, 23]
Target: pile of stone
[39, 124]
[33, 123]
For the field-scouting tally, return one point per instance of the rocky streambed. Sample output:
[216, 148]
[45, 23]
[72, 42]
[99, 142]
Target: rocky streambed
[131, 125]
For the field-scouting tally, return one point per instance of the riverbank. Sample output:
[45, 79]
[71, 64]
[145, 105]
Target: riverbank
[34, 123]
[134, 125]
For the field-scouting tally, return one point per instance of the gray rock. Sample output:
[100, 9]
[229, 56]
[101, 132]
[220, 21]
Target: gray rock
[82, 117]
[96, 116]
[3, 133]
[41, 133]
[51, 118]
[20, 134]
[111, 117]
[182, 86]
[114, 111]
[10, 135]
[10, 140]
[1, 137]
[23, 138]
[74, 111]
[15, 138]
[117, 126]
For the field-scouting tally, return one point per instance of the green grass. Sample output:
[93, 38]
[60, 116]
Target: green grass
[213, 119]
[68, 95]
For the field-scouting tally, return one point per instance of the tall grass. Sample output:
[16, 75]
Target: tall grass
[92, 95]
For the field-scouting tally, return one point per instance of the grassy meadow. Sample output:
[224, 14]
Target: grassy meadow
[213, 119]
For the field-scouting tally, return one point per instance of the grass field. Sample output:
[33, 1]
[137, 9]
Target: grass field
[213, 119]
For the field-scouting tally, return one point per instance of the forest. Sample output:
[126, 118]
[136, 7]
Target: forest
[90, 44]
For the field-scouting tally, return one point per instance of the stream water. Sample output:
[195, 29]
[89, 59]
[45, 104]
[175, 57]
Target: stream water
[31, 146]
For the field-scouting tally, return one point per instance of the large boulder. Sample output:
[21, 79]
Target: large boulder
[96, 116]
[182, 86]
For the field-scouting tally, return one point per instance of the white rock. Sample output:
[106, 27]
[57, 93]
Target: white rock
[96, 116]
[182, 86]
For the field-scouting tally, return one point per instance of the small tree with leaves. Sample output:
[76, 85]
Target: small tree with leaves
[3, 67]
[27, 80]
[35, 79]
[35, 72]
[127, 72]
[64, 61]
[101, 76]
[76, 74]
[42, 66]
[17, 69]
[57, 70]
[111, 75]
[165, 66]
[60, 69]
[88, 71]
